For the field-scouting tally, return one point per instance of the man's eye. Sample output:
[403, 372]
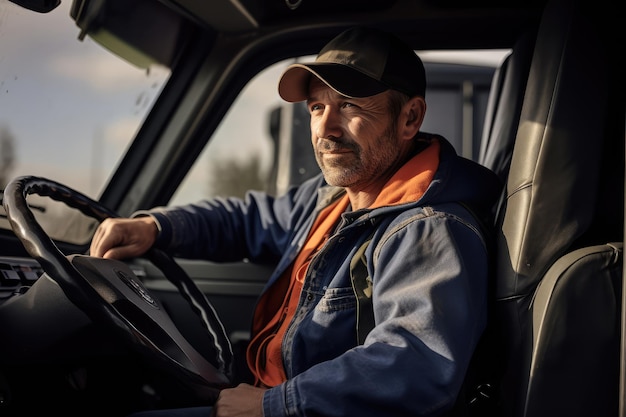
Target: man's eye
[314, 107]
[346, 105]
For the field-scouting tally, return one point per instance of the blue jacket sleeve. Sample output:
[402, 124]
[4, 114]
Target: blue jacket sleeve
[258, 227]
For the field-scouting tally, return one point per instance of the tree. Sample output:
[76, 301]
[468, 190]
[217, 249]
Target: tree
[232, 177]
[7, 155]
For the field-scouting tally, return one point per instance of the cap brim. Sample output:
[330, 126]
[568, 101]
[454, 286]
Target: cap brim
[294, 83]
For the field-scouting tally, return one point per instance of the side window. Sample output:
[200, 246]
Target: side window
[273, 147]
[226, 170]
[459, 83]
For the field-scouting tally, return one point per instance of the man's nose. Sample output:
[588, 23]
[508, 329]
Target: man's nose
[329, 126]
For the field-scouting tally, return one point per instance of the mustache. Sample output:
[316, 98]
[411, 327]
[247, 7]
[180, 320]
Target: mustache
[331, 145]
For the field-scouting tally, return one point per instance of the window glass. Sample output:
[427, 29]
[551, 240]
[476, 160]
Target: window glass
[68, 108]
[241, 154]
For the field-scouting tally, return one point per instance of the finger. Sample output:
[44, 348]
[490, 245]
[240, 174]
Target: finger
[122, 252]
[107, 236]
[96, 242]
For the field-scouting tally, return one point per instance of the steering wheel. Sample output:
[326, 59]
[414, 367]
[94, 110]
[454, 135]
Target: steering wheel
[110, 294]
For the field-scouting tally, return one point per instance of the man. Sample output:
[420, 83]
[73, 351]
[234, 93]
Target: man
[405, 192]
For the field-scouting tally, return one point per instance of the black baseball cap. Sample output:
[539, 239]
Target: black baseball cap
[359, 62]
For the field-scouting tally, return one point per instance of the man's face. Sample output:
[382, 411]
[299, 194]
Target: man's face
[354, 139]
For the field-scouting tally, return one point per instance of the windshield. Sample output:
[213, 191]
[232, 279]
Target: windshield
[68, 108]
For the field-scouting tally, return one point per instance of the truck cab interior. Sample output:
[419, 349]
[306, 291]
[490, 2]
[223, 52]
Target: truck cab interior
[79, 336]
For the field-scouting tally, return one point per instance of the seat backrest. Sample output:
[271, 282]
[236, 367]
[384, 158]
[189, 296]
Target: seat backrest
[500, 126]
[564, 193]
[504, 107]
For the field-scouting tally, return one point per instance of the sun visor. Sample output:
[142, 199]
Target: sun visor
[142, 32]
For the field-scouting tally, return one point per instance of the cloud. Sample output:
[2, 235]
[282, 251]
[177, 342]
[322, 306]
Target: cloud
[103, 72]
[117, 134]
[52, 40]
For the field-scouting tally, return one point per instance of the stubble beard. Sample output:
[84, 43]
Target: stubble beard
[363, 166]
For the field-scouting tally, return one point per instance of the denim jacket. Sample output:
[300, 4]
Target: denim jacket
[428, 262]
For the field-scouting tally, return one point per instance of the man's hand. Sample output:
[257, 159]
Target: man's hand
[242, 401]
[123, 238]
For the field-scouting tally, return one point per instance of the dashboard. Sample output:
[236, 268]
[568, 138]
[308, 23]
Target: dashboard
[17, 275]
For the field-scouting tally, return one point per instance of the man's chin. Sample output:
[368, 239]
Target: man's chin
[337, 177]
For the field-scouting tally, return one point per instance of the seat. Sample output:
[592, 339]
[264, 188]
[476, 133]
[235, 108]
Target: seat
[562, 318]
[558, 274]
[504, 106]
[500, 126]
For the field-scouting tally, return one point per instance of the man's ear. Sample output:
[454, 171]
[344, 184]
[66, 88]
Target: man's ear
[413, 113]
